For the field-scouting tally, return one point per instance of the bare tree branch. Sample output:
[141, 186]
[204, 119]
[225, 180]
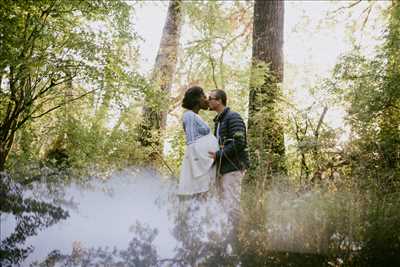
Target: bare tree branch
[316, 133]
[52, 85]
[65, 102]
[368, 9]
[213, 70]
[346, 7]
[30, 116]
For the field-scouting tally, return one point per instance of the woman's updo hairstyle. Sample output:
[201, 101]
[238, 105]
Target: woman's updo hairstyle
[192, 97]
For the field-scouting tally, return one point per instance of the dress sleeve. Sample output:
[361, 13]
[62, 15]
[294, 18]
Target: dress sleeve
[202, 127]
[189, 126]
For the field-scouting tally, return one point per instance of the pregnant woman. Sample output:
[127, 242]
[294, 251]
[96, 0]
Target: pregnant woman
[198, 170]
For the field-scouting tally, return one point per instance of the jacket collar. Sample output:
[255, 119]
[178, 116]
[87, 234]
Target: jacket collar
[219, 117]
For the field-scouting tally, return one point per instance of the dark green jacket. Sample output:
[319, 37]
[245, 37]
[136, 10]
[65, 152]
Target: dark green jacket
[233, 154]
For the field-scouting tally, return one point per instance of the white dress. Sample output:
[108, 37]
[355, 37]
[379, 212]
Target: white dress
[198, 170]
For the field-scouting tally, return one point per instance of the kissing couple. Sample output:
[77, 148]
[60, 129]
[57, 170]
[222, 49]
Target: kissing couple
[219, 159]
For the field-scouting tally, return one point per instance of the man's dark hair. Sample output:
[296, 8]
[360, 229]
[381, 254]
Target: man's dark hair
[221, 95]
[192, 97]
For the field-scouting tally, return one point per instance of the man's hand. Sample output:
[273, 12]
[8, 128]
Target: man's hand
[212, 155]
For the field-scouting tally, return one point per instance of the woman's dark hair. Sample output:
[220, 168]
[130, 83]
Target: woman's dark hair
[192, 97]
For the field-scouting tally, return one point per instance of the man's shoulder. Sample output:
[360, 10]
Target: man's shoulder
[233, 115]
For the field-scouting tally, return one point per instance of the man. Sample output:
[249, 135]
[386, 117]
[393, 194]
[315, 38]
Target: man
[232, 158]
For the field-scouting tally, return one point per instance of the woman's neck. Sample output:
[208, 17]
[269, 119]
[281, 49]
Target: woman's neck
[196, 110]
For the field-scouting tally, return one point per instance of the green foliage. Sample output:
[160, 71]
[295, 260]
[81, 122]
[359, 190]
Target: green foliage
[174, 157]
[314, 150]
[265, 134]
[215, 56]
[76, 62]
[370, 89]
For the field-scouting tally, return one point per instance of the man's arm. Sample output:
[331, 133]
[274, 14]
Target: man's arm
[237, 129]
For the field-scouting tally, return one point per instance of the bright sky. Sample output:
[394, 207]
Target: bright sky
[311, 43]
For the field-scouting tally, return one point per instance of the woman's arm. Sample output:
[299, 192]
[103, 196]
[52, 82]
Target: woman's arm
[188, 123]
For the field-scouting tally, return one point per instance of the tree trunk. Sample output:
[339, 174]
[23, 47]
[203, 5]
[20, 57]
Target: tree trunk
[8, 125]
[6, 141]
[156, 101]
[265, 135]
[266, 139]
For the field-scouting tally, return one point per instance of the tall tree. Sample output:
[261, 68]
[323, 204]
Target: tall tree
[266, 137]
[157, 97]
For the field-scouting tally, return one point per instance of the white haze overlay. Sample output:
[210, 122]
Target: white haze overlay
[104, 213]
